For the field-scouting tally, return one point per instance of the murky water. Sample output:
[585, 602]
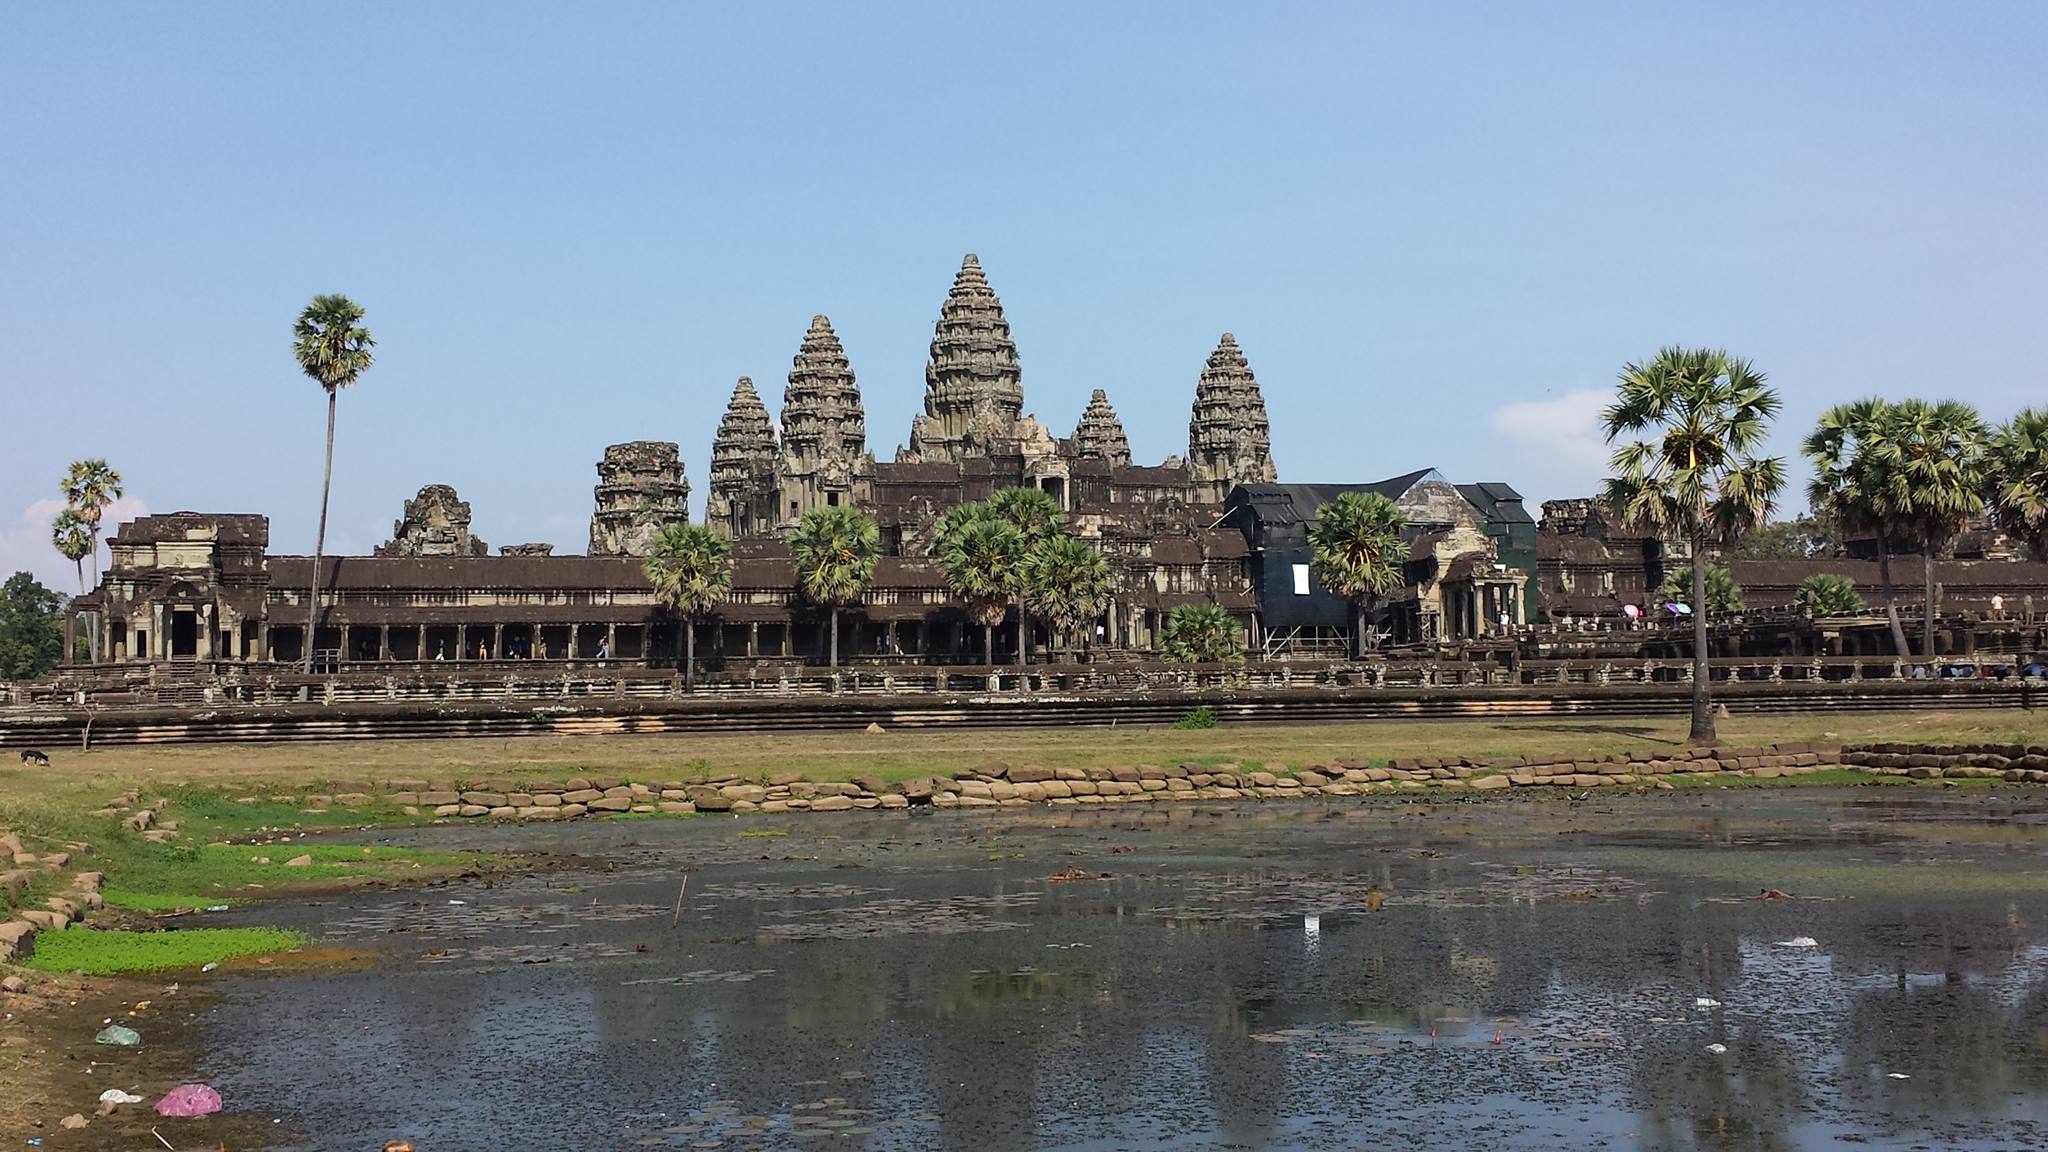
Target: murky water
[1498, 975]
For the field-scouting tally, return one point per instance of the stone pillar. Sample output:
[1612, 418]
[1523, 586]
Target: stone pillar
[611, 641]
[890, 637]
[156, 632]
[383, 641]
[70, 637]
[753, 639]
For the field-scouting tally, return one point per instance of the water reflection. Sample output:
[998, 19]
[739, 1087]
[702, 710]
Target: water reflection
[1230, 982]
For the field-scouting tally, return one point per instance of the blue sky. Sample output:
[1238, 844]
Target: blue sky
[1437, 230]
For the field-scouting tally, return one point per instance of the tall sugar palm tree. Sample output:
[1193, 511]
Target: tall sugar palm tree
[1068, 582]
[690, 568]
[981, 556]
[333, 348]
[835, 550]
[1939, 475]
[72, 538]
[1851, 457]
[2019, 474]
[1356, 550]
[1038, 517]
[1695, 473]
[89, 488]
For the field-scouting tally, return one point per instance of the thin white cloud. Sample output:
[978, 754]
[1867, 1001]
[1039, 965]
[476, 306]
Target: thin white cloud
[25, 543]
[1556, 446]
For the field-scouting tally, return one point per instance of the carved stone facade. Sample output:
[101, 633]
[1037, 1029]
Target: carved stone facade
[436, 523]
[527, 550]
[640, 490]
[1229, 442]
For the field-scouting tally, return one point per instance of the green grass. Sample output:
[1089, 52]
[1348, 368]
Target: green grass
[114, 953]
[184, 875]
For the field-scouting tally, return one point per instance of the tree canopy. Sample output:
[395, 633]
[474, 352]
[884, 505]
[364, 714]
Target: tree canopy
[1724, 595]
[1202, 634]
[31, 628]
[1827, 594]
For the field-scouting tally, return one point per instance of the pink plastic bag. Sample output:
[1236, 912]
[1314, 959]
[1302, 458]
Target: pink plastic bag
[189, 1100]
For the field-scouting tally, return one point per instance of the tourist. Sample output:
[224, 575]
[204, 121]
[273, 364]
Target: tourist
[604, 649]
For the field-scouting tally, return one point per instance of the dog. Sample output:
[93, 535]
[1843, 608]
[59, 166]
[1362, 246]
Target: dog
[31, 756]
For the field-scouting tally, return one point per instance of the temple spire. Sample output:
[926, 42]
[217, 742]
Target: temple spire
[1229, 441]
[742, 498]
[1100, 434]
[824, 433]
[974, 391]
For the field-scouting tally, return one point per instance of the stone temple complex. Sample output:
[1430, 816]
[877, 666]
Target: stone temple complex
[1213, 527]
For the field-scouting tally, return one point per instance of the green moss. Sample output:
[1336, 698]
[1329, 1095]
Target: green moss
[98, 953]
[151, 877]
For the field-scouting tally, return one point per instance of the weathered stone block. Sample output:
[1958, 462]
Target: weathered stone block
[438, 798]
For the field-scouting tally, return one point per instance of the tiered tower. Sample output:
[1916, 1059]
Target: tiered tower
[824, 456]
[743, 490]
[640, 491]
[974, 390]
[1229, 442]
[436, 523]
[1100, 435]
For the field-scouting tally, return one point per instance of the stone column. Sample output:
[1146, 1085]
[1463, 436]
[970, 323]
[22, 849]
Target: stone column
[753, 639]
[611, 641]
[70, 637]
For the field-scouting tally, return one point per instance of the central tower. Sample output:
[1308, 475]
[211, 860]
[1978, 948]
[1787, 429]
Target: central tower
[974, 391]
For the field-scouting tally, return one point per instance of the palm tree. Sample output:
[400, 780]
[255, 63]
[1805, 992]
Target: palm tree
[1939, 477]
[72, 537]
[1827, 594]
[1851, 452]
[981, 556]
[690, 568]
[2019, 470]
[1355, 549]
[1696, 476]
[89, 488]
[835, 550]
[334, 349]
[1067, 581]
[1038, 517]
[1202, 634]
[1724, 595]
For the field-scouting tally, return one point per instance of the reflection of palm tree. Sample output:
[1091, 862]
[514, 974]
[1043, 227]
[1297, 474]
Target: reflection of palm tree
[1746, 1098]
[1950, 1037]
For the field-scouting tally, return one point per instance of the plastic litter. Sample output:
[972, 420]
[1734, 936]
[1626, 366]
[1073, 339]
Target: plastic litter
[216, 907]
[189, 1100]
[1799, 942]
[1706, 1003]
[116, 1096]
[1897, 1076]
[120, 1035]
[208, 966]
[465, 901]
[1718, 1049]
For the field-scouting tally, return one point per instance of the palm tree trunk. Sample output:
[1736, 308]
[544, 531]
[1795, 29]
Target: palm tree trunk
[1927, 600]
[835, 637]
[988, 644]
[95, 645]
[320, 538]
[1891, 600]
[1023, 634]
[1702, 710]
[1358, 628]
[689, 653]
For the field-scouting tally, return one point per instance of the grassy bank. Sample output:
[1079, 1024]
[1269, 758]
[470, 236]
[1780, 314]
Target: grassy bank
[87, 779]
[90, 953]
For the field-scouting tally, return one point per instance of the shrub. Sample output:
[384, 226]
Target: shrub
[1203, 717]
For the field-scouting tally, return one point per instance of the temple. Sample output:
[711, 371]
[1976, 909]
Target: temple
[1214, 527]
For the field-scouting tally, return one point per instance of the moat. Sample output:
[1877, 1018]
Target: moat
[1498, 975]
